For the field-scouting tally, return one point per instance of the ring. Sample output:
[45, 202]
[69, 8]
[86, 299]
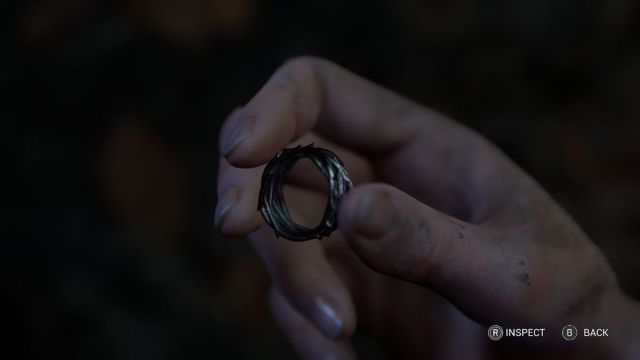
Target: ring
[271, 203]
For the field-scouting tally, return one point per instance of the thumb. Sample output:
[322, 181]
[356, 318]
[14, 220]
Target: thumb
[399, 236]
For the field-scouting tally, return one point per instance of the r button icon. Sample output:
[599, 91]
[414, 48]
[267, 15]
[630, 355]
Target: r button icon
[569, 332]
[495, 332]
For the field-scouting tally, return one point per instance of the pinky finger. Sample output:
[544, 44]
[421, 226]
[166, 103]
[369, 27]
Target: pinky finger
[308, 342]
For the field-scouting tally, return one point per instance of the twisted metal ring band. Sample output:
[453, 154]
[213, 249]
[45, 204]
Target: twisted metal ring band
[271, 201]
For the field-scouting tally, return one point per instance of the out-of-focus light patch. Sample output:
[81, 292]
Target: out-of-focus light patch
[192, 23]
[145, 181]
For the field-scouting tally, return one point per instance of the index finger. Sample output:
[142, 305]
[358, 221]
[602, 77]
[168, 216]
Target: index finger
[307, 93]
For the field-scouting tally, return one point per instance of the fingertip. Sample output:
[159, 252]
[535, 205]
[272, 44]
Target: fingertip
[257, 147]
[234, 217]
[258, 132]
[225, 205]
[366, 210]
[332, 319]
[229, 130]
[324, 300]
[236, 137]
[303, 335]
[237, 230]
[398, 235]
[309, 283]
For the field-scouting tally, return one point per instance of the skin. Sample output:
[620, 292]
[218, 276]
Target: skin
[441, 237]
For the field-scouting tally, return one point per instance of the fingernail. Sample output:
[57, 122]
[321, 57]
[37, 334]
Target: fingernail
[326, 319]
[225, 204]
[239, 133]
[374, 215]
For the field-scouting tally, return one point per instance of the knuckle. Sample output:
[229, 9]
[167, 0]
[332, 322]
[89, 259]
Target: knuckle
[304, 63]
[303, 69]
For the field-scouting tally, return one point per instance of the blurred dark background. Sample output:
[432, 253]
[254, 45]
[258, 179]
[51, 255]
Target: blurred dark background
[110, 113]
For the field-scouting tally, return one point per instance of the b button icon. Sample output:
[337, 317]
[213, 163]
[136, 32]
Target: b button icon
[569, 332]
[495, 332]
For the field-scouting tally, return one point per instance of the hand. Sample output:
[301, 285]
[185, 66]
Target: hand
[435, 208]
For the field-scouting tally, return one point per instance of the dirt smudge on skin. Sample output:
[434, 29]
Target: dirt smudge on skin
[524, 277]
[424, 228]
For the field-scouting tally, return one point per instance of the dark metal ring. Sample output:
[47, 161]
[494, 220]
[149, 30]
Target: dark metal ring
[271, 202]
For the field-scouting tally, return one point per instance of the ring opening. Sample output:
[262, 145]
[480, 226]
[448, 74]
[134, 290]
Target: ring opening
[272, 204]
